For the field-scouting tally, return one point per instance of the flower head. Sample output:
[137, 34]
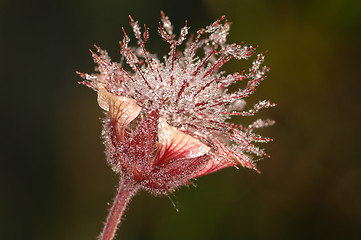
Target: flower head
[167, 121]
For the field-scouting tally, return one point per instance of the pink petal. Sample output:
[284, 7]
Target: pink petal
[174, 144]
[213, 165]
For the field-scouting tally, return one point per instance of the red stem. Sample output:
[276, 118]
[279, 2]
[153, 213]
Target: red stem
[126, 190]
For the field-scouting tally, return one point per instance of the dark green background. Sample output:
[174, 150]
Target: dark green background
[55, 183]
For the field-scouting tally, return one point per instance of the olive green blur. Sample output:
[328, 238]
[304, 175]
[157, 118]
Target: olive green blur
[54, 181]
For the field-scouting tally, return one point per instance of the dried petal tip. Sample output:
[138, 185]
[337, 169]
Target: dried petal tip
[121, 110]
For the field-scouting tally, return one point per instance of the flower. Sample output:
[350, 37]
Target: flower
[167, 122]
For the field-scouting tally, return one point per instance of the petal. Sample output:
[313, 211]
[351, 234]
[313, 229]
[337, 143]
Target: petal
[122, 110]
[174, 144]
[213, 165]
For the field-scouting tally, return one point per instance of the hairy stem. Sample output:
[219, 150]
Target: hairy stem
[125, 192]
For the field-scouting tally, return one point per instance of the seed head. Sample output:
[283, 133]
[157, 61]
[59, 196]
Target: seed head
[167, 121]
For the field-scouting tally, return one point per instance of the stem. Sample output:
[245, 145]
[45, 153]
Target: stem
[126, 190]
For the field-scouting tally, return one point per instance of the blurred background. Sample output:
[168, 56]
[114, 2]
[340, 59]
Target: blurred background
[54, 180]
